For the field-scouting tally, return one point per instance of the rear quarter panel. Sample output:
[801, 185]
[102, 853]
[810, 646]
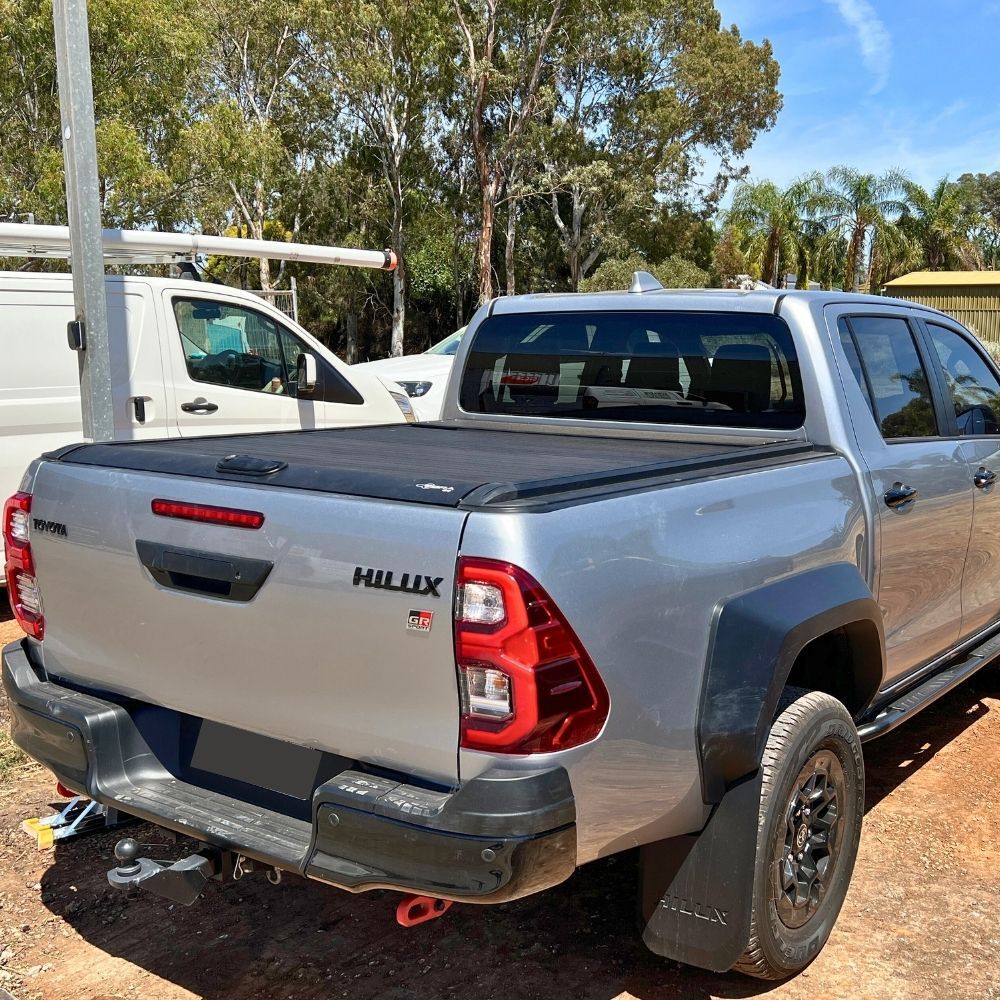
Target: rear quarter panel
[639, 577]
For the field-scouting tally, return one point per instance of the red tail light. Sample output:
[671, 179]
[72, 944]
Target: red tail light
[22, 587]
[528, 685]
[206, 512]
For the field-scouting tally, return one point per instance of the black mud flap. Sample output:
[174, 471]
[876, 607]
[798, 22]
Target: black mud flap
[697, 891]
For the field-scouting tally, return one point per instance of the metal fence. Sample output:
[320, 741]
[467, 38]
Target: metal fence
[285, 300]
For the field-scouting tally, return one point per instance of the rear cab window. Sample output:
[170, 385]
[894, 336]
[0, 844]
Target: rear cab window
[699, 368]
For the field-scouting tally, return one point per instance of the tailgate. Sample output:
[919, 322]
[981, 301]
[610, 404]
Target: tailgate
[300, 649]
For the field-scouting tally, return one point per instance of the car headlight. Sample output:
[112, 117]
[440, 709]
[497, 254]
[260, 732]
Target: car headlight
[404, 405]
[416, 388]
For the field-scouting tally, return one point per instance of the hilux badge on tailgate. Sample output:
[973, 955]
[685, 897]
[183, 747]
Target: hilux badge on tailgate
[382, 579]
[419, 621]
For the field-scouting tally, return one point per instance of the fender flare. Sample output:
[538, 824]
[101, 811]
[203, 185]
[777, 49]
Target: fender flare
[756, 638]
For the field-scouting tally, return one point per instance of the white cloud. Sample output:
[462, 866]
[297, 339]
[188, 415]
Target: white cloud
[873, 38]
[927, 146]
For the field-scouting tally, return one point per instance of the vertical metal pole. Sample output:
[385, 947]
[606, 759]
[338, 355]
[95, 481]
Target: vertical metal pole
[295, 301]
[76, 106]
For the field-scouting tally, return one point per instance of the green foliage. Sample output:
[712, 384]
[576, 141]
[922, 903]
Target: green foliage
[674, 272]
[937, 223]
[644, 91]
[143, 59]
[728, 260]
[981, 196]
[773, 224]
[538, 147]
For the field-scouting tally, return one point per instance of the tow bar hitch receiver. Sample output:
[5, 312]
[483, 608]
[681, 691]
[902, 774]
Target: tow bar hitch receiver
[180, 882]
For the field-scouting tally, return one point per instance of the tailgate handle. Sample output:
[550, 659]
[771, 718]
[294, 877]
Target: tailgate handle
[212, 574]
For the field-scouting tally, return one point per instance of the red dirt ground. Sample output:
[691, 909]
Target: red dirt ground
[921, 919]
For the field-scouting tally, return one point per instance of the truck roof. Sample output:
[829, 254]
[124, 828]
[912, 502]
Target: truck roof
[695, 299]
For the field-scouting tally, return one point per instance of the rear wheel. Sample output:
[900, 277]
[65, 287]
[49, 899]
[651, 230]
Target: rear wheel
[811, 807]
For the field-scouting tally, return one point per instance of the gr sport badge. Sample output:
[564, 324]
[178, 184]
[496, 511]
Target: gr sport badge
[419, 621]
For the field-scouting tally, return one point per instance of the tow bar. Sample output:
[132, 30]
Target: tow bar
[181, 881]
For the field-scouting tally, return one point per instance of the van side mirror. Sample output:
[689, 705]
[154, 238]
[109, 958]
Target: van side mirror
[306, 374]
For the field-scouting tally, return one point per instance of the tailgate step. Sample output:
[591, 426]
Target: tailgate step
[259, 833]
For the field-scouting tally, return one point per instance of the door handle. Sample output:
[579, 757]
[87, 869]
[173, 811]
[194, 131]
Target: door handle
[139, 408]
[899, 497]
[199, 407]
[984, 478]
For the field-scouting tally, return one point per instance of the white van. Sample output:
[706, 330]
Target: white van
[189, 358]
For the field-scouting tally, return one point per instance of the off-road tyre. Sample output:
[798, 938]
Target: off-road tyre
[812, 754]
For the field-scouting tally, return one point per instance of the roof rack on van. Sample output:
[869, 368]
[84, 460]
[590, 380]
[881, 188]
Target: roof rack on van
[125, 246]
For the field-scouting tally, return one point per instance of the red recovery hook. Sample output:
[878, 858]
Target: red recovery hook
[413, 910]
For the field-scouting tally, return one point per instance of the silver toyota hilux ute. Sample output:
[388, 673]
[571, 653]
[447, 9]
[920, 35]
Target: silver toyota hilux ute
[667, 560]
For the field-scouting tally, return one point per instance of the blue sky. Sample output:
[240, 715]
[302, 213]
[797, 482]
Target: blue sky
[876, 84]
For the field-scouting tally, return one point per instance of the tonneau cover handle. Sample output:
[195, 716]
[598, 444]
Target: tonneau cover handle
[248, 465]
[211, 574]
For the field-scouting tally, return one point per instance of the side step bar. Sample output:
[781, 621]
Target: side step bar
[929, 691]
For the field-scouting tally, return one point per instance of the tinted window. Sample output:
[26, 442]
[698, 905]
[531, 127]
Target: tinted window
[721, 369]
[974, 389]
[893, 376]
[854, 360]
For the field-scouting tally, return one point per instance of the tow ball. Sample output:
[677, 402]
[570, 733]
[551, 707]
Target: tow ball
[413, 910]
[180, 881]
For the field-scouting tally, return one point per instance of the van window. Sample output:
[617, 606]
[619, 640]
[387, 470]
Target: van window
[231, 345]
[717, 369]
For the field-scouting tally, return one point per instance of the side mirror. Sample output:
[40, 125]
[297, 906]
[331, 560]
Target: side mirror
[306, 374]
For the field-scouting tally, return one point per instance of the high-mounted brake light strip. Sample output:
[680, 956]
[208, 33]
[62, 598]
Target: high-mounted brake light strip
[208, 513]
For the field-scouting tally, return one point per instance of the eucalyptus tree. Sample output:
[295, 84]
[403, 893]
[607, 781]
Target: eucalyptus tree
[862, 208]
[143, 57]
[645, 90]
[506, 50]
[390, 67]
[263, 119]
[982, 196]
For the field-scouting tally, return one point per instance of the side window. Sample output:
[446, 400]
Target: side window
[232, 345]
[974, 389]
[854, 360]
[891, 375]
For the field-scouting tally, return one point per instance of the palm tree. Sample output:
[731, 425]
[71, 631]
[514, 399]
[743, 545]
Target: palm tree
[860, 206]
[771, 221]
[821, 255]
[938, 223]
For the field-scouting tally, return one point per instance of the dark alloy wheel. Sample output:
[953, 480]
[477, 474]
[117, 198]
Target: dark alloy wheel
[807, 858]
[812, 804]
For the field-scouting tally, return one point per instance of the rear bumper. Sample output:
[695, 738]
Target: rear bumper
[497, 837]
